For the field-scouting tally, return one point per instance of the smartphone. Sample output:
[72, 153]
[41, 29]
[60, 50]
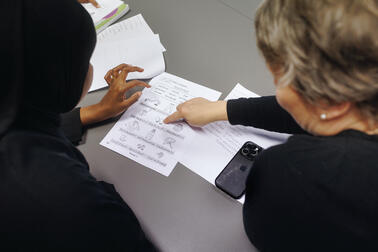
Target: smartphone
[232, 180]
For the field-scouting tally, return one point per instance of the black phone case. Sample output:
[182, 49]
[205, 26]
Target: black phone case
[232, 180]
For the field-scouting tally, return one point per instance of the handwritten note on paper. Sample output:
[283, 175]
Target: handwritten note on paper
[132, 27]
[140, 133]
[215, 144]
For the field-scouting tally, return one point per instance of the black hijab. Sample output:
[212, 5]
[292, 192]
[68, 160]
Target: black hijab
[45, 51]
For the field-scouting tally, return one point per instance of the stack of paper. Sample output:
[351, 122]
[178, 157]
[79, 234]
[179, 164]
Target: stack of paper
[108, 12]
[140, 133]
[131, 42]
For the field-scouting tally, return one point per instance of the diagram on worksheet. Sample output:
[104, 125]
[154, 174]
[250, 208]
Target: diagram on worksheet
[140, 133]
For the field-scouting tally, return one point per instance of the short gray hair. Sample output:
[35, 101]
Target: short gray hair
[327, 50]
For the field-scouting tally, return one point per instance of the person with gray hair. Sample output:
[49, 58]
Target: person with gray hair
[317, 191]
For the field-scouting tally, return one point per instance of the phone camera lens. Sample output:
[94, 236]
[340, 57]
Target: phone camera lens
[245, 151]
[254, 151]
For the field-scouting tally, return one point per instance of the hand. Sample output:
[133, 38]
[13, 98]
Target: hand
[199, 112]
[93, 2]
[114, 102]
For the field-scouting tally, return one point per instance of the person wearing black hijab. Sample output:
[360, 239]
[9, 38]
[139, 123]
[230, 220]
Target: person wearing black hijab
[49, 201]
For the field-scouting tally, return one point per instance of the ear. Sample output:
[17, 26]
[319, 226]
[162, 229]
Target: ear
[333, 111]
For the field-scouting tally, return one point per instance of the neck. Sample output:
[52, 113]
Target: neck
[373, 131]
[350, 121]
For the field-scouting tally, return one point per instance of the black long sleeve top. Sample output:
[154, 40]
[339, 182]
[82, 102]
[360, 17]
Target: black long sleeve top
[312, 193]
[72, 127]
[49, 200]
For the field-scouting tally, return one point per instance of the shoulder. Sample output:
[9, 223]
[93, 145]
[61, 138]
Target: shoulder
[49, 169]
[43, 165]
[47, 179]
[298, 165]
[26, 147]
[310, 165]
[304, 151]
[322, 156]
[295, 183]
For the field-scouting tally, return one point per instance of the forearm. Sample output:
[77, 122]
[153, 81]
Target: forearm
[264, 113]
[91, 114]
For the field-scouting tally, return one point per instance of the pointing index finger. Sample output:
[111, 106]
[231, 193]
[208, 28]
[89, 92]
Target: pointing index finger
[173, 117]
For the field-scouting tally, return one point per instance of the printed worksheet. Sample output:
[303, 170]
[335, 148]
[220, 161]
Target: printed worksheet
[215, 144]
[140, 133]
[131, 28]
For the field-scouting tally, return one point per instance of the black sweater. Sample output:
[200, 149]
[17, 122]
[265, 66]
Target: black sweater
[311, 193]
[50, 202]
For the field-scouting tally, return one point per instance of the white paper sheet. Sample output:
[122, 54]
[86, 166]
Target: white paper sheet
[145, 53]
[133, 27]
[140, 133]
[215, 144]
[129, 28]
[106, 7]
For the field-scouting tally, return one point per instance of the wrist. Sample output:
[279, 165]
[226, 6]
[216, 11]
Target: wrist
[220, 111]
[90, 115]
